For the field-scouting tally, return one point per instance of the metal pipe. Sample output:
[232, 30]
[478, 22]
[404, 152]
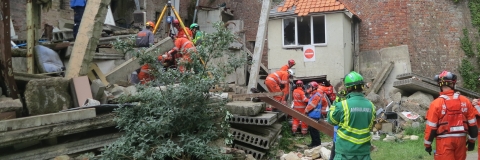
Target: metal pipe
[195, 13]
[6, 52]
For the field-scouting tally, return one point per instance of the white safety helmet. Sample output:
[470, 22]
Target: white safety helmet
[290, 72]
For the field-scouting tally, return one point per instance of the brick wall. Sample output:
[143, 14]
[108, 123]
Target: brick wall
[18, 11]
[431, 29]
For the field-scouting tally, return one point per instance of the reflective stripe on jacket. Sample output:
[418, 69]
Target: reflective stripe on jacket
[314, 107]
[354, 117]
[299, 98]
[437, 110]
[280, 77]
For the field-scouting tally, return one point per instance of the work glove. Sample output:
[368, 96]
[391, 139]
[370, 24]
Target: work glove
[428, 150]
[470, 145]
[282, 86]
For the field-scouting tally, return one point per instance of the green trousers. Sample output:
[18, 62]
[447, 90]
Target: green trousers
[339, 156]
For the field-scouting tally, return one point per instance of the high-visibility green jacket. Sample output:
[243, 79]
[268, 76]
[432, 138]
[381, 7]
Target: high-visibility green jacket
[354, 117]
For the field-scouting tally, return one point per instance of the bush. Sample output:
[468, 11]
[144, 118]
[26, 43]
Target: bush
[184, 120]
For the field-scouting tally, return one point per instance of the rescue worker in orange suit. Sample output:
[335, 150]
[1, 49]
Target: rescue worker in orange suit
[449, 119]
[289, 65]
[327, 88]
[477, 106]
[276, 82]
[313, 110]
[145, 39]
[299, 103]
[181, 32]
[184, 48]
[286, 67]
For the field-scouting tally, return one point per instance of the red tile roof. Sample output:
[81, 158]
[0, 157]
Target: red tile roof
[304, 7]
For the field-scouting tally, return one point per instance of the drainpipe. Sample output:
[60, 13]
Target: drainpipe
[195, 13]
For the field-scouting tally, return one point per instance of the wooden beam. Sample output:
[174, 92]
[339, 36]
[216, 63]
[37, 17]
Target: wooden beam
[88, 35]
[380, 78]
[259, 45]
[253, 95]
[6, 69]
[33, 22]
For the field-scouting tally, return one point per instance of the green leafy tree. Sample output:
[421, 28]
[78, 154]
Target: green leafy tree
[182, 120]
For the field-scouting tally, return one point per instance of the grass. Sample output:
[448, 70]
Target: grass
[405, 149]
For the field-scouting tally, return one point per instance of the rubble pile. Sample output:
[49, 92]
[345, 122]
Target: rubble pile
[318, 153]
[254, 130]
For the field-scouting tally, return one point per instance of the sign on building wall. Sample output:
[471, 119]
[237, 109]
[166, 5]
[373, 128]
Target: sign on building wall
[309, 53]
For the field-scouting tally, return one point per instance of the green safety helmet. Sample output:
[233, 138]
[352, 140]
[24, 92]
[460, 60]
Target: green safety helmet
[353, 79]
[194, 25]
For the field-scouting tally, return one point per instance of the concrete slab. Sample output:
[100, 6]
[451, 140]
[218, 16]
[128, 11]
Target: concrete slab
[262, 119]
[11, 105]
[9, 138]
[262, 137]
[106, 66]
[463, 91]
[64, 149]
[80, 93]
[35, 121]
[43, 96]
[373, 62]
[245, 108]
[98, 89]
[257, 154]
[414, 85]
[121, 72]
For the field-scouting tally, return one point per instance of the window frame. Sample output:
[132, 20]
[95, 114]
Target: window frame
[296, 45]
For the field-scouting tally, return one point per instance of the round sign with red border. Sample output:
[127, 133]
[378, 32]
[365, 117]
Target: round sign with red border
[309, 53]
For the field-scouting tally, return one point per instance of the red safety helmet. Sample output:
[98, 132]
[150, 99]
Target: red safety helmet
[291, 62]
[175, 21]
[313, 84]
[150, 24]
[299, 83]
[445, 78]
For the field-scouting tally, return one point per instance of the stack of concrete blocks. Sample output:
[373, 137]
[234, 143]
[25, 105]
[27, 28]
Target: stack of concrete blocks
[59, 36]
[254, 130]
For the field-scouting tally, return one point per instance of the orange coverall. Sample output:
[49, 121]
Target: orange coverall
[181, 33]
[285, 67]
[448, 145]
[144, 76]
[273, 82]
[315, 101]
[299, 104]
[328, 92]
[477, 106]
[184, 47]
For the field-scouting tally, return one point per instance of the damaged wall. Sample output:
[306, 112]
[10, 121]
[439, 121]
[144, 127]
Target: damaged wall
[61, 11]
[248, 11]
[18, 9]
[431, 29]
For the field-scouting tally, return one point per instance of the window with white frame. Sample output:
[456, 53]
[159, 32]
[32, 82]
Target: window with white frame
[308, 30]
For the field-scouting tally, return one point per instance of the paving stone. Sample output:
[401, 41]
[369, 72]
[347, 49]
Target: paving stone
[245, 108]
[49, 95]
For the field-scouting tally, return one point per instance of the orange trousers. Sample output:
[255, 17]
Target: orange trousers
[296, 121]
[272, 86]
[451, 148]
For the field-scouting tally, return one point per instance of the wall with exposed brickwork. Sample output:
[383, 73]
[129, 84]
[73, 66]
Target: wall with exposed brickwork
[246, 10]
[431, 29]
[18, 11]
